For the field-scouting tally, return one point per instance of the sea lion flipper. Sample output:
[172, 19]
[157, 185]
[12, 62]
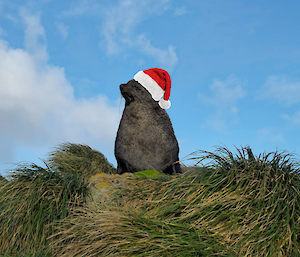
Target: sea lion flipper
[177, 168]
[173, 169]
[119, 170]
[121, 167]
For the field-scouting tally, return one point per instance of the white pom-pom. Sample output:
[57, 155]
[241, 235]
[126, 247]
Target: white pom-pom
[164, 104]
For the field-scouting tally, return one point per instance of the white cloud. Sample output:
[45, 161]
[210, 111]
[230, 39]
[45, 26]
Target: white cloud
[37, 103]
[62, 29]
[280, 89]
[225, 93]
[224, 100]
[2, 32]
[120, 22]
[180, 11]
[167, 57]
[81, 7]
[295, 118]
[35, 38]
[270, 134]
[6, 5]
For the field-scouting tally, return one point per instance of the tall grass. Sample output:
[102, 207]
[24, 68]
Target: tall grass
[254, 202]
[32, 201]
[132, 226]
[81, 159]
[37, 196]
[237, 205]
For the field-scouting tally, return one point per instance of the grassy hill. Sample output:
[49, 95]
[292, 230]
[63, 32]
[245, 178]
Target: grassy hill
[237, 205]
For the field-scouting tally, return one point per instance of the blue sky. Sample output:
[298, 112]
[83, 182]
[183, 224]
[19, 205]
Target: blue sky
[234, 65]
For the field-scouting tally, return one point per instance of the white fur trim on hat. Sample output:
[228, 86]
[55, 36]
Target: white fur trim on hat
[164, 104]
[150, 84]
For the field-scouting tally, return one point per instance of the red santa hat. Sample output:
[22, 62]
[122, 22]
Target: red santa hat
[158, 83]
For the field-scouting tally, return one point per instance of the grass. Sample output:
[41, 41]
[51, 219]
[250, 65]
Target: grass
[237, 205]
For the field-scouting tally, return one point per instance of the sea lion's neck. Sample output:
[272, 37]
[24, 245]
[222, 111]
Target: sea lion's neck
[136, 112]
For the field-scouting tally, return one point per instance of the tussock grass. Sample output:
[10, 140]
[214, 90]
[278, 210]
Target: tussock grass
[79, 158]
[37, 196]
[254, 202]
[32, 201]
[237, 205]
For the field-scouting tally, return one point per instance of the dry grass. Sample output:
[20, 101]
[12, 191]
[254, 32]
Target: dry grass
[238, 205]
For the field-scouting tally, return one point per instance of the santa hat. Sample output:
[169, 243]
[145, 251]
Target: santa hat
[158, 83]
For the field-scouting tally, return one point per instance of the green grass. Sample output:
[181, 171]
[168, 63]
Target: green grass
[237, 205]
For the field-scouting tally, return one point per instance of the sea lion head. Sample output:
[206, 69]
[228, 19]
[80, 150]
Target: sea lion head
[133, 91]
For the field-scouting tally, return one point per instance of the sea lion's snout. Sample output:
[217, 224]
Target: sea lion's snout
[122, 87]
[126, 94]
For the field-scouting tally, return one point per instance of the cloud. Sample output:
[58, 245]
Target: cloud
[119, 21]
[119, 25]
[37, 102]
[295, 118]
[225, 95]
[81, 7]
[280, 89]
[35, 38]
[180, 11]
[4, 13]
[2, 32]
[167, 57]
[270, 134]
[62, 29]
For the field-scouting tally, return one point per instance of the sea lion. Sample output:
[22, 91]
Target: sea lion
[145, 138]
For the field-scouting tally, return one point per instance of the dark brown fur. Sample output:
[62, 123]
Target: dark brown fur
[145, 138]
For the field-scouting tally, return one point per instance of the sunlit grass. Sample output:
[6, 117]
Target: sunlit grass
[36, 196]
[254, 202]
[237, 205]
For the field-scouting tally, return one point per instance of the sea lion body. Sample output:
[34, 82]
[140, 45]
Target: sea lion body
[145, 138]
